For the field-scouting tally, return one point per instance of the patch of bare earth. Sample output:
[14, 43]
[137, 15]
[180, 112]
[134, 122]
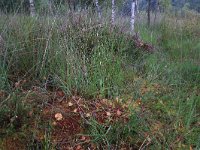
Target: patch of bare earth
[69, 118]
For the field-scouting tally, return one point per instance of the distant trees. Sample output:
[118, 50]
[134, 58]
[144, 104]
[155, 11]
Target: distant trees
[149, 12]
[165, 4]
[98, 8]
[72, 4]
[195, 4]
[10, 6]
[156, 10]
[155, 6]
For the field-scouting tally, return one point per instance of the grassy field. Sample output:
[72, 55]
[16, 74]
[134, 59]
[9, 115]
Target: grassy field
[77, 84]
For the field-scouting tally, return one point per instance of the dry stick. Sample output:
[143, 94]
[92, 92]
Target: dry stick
[149, 142]
[142, 144]
[45, 51]
[145, 145]
[46, 47]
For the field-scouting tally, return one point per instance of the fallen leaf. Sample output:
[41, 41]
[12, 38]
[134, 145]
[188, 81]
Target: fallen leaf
[119, 112]
[60, 93]
[70, 104]
[139, 101]
[78, 147]
[75, 110]
[108, 113]
[83, 138]
[54, 123]
[17, 84]
[88, 115]
[58, 116]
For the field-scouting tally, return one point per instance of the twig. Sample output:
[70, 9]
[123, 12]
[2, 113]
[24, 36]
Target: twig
[149, 141]
[46, 46]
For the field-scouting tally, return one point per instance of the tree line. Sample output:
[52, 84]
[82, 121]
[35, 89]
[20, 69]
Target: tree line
[9, 6]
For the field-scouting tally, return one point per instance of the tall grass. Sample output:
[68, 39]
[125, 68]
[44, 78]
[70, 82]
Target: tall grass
[176, 66]
[80, 56]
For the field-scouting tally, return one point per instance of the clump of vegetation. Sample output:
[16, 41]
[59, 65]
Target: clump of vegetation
[88, 61]
[77, 83]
